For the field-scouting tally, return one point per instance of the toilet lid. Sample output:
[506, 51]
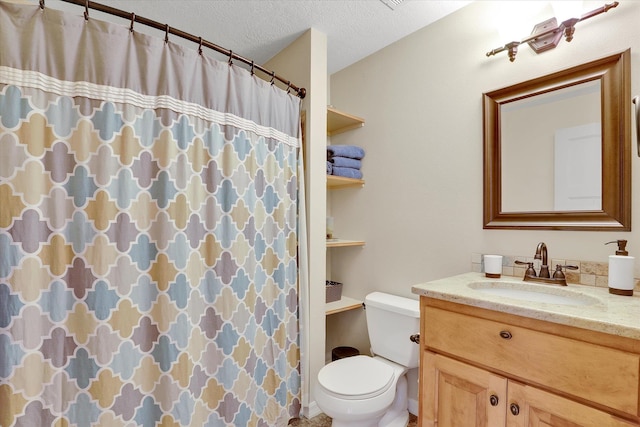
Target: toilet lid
[357, 376]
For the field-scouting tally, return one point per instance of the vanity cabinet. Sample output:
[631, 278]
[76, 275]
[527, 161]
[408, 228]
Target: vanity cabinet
[485, 368]
[339, 122]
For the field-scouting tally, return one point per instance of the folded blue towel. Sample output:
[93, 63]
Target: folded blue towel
[351, 151]
[347, 172]
[329, 167]
[346, 162]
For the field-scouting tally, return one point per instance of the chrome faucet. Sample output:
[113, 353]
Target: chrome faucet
[544, 277]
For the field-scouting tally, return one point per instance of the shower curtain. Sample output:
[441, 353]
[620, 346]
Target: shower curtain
[148, 234]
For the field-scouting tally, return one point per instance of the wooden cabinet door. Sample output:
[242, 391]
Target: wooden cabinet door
[458, 395]
[537, 408]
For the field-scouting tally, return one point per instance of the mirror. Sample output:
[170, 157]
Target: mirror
[557, 150]
[566, 164]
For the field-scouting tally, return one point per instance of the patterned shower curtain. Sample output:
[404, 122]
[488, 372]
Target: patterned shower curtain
[148, 208]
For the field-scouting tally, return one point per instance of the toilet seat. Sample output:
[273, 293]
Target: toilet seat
[357, 377]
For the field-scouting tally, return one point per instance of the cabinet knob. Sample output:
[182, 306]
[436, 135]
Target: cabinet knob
[506, 335]
[493, 399]
[515, 409]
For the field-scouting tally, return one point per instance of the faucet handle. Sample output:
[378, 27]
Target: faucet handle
[530, 270]
[558, 274]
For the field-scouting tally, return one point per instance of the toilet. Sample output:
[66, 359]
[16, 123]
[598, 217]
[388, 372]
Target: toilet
[364, 391]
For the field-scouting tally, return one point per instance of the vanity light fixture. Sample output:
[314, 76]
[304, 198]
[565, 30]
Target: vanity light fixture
[547, 34]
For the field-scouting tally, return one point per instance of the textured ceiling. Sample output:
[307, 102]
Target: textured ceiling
[259, 29]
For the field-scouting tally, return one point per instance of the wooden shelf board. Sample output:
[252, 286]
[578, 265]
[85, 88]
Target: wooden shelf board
[338, 121]
[341, 243]
[337, 182]
[343, 304]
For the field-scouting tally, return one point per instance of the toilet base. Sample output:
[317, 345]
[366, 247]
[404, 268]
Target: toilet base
[401, 420]
[396, 416]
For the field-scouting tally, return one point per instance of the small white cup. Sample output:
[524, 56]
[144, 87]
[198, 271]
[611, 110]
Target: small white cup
[493, 266]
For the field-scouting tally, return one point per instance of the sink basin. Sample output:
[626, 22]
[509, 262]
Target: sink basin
[533, 293]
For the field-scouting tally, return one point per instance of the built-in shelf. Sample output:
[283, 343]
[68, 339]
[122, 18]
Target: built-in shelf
[343, 304]
[338, 121]
[337, 182]
[341, 243]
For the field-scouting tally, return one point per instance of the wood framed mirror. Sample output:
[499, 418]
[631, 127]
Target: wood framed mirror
[557, 150]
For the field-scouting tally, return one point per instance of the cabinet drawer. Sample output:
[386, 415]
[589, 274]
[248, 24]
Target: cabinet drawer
[600, 374]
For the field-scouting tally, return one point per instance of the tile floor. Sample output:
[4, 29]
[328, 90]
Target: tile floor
[324, 421]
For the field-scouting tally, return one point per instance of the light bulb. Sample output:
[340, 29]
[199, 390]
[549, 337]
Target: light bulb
[514, 19]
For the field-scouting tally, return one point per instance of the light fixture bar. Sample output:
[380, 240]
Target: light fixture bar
[551, 32]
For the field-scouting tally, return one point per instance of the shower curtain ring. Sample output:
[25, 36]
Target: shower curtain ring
[133, 19]
[252, 65]
[200, 46]
[273, 76]
[230, 57]
[86, 10]
[42, 4]
[288, 86]
[166, 33]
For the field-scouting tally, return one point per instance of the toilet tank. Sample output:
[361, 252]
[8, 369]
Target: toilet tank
[391, 320]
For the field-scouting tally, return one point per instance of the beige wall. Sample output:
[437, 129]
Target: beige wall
[420, 211]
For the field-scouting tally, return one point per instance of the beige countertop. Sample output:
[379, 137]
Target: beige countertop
[603, 312]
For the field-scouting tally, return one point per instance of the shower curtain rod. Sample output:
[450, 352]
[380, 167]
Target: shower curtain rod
[301, 92]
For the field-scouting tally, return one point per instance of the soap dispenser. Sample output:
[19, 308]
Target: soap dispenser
[621, 265]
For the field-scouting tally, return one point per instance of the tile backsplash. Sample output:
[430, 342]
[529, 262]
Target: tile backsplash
[589, 273]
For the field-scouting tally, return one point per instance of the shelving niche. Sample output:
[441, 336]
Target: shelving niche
[338, 122]
[344, 304]
[341, 243]
[337, 182]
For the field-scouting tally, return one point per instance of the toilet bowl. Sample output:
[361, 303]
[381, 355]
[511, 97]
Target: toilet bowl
[359, 391]
[364, 391]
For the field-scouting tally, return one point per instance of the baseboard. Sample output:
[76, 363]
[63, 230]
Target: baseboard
[312, 411]
[413, 406]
